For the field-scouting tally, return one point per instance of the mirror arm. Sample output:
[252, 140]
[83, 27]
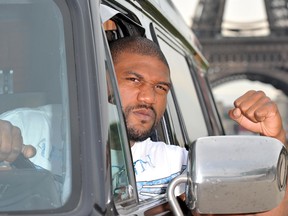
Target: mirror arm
[171, 196]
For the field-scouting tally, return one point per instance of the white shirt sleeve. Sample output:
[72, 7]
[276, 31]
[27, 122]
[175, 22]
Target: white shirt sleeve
[36, 129]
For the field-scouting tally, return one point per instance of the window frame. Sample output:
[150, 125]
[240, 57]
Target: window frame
[157, 32]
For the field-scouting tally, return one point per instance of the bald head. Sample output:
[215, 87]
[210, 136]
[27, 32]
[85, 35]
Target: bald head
[136, 45]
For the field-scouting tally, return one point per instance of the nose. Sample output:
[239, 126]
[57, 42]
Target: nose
[147, 94]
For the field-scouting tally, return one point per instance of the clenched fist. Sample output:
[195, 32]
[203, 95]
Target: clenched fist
[11, 143]
[258, 113]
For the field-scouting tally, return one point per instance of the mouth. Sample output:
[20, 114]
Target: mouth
[144, 114]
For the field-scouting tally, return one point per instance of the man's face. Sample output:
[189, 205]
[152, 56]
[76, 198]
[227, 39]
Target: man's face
[144, 83]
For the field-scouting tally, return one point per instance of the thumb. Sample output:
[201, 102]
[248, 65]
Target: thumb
[235, 114]
[28, 151]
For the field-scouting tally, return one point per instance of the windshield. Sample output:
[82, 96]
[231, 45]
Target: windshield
[34, 97]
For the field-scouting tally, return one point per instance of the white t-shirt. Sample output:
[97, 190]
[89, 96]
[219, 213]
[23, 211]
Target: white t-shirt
[37, 130]
[155, 165]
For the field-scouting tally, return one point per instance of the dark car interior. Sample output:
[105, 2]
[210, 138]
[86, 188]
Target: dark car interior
[29, 57]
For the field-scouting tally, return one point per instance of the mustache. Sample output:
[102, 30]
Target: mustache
[141, 106]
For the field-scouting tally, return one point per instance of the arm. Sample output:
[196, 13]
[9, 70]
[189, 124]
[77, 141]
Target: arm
[11, 143]
[256, 112]
[259, 114]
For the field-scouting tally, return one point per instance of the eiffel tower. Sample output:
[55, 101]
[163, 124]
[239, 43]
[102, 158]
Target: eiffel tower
[262, 58]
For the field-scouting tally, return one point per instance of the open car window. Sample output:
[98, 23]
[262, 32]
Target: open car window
[34, 65]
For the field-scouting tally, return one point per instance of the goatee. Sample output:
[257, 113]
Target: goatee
[134, 134]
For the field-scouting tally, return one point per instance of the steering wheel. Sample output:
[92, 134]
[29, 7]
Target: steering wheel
[22, 163]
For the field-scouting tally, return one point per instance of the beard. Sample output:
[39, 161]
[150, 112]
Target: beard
[139, 136]
[135, 134]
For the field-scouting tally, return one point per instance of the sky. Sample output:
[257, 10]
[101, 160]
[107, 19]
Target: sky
[235, 11]
[228, 92]
[186, 8]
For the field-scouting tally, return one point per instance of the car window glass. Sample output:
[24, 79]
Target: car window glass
[123, 182]
[175, 125]
[185, 92]
[34, 97]
[121, 188]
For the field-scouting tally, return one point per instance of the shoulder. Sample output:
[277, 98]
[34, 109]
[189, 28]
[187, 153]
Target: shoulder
[37, 118]
[163, 145]
[150, 146]
[26, 112]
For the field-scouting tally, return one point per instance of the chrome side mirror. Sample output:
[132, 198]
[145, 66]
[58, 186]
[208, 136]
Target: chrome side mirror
[232, 175]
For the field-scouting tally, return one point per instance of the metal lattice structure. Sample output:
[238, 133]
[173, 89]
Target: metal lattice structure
[263, 58]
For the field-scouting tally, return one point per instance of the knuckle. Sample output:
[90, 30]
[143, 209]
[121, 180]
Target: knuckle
[251, 92]
[250, 114]
[16, 131]
[243, 106]
[267, 100]
[274, 106]
[5, 149]
[5, 125]
[16, 150]
[237, 103]
[260, 93]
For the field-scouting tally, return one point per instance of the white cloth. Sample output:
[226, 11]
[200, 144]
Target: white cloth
[36, 128]
[155, 165]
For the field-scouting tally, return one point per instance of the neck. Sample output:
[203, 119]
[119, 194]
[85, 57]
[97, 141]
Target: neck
[131, 143]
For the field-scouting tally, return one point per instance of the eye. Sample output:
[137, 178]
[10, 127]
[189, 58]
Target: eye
[162, 89]
[132, 79]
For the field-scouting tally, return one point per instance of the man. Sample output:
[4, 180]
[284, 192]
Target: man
[144, 81]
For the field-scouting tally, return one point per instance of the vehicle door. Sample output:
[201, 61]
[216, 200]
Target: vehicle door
[56, 78]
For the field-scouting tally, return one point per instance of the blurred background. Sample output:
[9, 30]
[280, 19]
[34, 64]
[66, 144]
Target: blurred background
[246, 44]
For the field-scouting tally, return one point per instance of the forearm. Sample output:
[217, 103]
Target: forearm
[282, 137]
